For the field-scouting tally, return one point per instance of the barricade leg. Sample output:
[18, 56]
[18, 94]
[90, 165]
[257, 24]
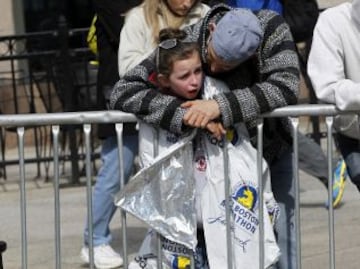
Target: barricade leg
[2, 249]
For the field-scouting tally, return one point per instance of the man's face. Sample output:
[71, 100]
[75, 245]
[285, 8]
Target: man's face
[215, 63]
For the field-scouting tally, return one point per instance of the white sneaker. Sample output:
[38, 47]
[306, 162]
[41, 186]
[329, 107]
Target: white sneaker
[104, 257]
[143, 263]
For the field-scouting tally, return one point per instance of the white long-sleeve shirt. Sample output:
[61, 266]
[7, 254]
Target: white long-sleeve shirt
[136, 39]
[334, 60]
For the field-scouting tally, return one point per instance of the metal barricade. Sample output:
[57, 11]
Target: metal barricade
[47, 71]
[87, 119]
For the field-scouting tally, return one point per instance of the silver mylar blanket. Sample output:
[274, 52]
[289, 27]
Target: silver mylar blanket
[163, 194]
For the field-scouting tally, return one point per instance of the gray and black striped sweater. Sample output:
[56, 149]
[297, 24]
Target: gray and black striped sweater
[267, 81]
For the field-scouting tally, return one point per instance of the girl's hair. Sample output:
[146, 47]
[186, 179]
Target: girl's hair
[155, 8]
[172, 48]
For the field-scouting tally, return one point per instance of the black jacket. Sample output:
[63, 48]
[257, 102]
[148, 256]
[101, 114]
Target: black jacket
[108, 26]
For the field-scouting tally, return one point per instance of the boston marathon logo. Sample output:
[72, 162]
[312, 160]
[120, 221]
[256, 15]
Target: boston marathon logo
[244, 202]
[180, 262]
[177, 255]
[246, 196]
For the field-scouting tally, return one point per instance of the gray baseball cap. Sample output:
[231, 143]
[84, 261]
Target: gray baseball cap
[237, 35]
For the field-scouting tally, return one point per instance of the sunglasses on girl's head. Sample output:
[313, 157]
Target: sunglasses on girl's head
[166, 44]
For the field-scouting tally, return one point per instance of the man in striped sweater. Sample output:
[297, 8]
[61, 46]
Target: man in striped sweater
[261, 79]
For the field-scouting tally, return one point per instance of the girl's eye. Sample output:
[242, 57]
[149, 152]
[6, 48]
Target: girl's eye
[199, 70]
[184, 77]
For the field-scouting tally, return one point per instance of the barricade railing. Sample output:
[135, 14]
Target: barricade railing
[47, 71]
[87, 119]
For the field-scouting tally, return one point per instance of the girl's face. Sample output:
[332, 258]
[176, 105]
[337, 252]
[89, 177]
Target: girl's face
[186, 77]
[180, 7]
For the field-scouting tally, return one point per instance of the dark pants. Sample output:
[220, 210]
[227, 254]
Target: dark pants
[350, 150]
[312, 159]
[200, 257]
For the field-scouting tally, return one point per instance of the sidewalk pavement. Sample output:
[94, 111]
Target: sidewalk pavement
[330, 3]
[40, 222]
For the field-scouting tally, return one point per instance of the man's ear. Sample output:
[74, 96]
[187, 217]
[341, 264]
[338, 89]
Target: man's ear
[163, 81]
[211, 27]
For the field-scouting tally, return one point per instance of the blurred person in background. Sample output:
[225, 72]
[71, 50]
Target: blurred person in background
[334, 69]
[312, 158]
[110, 18]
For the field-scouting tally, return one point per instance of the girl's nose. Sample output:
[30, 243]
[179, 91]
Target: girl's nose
[194, 79]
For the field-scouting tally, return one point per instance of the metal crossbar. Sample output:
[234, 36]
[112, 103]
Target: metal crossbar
[87, 119]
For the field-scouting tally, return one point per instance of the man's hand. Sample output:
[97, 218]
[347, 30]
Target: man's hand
[200, 112]
[216, 129]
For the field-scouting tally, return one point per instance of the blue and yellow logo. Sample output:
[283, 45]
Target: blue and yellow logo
[232, 135]
[246, 196]
[180, 262]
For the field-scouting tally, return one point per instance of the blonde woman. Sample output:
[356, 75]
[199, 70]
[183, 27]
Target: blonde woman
[140, 33]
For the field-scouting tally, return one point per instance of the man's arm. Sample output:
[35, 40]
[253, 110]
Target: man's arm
[279, 76]
[277, 81]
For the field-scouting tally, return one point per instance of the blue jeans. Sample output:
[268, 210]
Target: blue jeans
[108, 184]
[282, 181]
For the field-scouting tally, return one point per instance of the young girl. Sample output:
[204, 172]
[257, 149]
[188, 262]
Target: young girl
[179, 70]
[179, 73]
[138, 38]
